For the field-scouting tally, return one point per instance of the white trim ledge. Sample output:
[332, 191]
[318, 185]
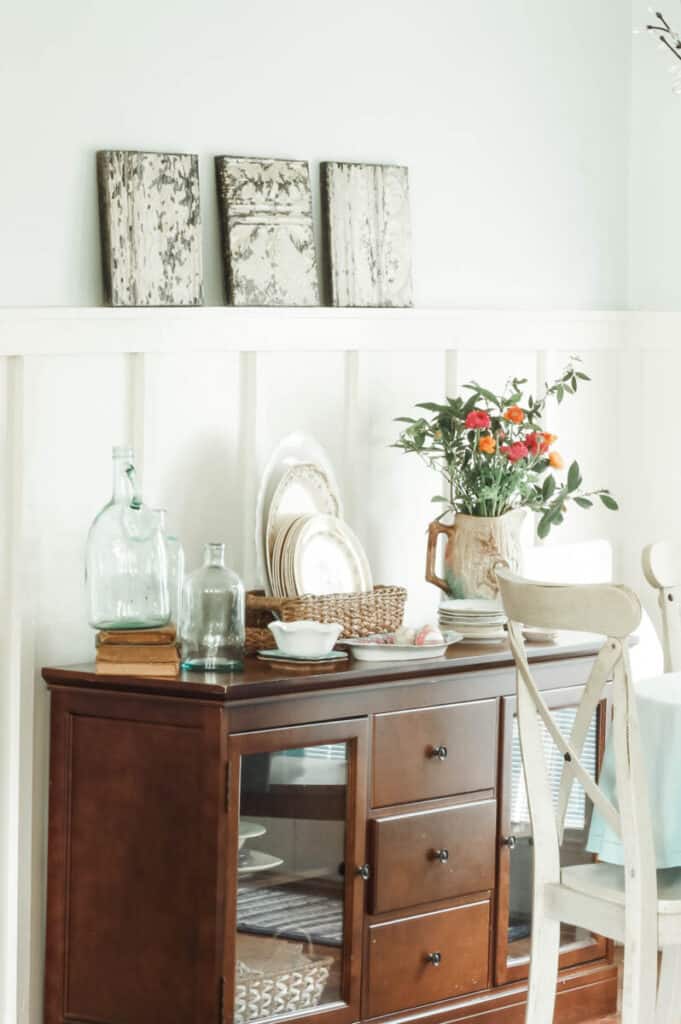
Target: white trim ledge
[73, 331]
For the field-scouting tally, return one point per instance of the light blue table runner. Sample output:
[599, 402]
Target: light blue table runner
[659, 713]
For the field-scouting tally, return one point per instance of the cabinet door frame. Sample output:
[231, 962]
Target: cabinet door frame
[354, 732]
[505, 972]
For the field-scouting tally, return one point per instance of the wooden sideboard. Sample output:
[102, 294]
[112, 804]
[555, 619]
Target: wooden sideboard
[386, 862]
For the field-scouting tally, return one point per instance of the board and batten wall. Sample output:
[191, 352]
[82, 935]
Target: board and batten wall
[204, 396]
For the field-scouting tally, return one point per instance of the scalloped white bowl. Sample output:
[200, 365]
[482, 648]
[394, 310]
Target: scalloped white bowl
[305, 638]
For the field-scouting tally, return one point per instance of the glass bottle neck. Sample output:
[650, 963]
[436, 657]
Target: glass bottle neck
[124, 486]
[214, 554]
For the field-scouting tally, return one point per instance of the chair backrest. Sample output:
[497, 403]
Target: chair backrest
[596, 608]
[661, 562]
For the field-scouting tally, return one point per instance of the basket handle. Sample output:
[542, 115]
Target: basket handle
[434, 531]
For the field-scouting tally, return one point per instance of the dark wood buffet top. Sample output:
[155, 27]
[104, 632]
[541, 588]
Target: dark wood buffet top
[263, 680]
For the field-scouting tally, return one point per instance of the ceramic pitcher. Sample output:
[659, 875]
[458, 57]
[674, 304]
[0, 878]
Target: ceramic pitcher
[474, 546]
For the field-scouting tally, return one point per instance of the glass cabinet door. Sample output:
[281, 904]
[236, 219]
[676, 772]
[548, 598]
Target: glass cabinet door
[299, 810]
[514, 893]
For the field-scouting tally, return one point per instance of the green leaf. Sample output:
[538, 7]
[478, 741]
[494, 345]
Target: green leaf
[544, 527]
[574, 477]
[404, 419]
[484, 393]
[469, 405]
[438, 497]
[582, 376]
[559, 393]
[548, 487]
[583, 502]
[432, 407]
[609, 502]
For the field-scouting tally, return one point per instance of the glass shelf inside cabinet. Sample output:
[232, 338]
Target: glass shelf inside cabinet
[290, 888]
[577, 822]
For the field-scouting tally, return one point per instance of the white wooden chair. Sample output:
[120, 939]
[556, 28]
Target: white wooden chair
[621, 903]
[661, 562]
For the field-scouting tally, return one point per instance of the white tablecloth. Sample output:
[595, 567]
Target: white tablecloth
[659, 712]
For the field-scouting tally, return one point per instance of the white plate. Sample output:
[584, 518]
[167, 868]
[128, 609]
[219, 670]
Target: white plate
[287, 528]
[255, 860]
[249, 830]
[278, 655]
[499, 621]
[304, 489]
[292, 450]
[472, 605]
[490, 636]
[364, 650]
[327, 558]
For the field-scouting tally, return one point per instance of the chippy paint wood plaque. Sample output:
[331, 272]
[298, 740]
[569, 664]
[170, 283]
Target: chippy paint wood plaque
[268, 243]
[150, 228]
[367, 228]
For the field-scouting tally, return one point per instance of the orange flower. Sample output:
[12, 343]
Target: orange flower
[487, 444]
[514, 414]
[550, 438]
[556, 460]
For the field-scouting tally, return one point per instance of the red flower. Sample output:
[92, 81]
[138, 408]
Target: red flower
[515, 452]
[536, 442]
[478, 420]
[539, 441]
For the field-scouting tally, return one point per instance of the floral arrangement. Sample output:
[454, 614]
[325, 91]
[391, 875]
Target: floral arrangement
[495, 456]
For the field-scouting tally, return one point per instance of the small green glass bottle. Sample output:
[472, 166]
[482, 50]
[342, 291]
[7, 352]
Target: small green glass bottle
[212, 630]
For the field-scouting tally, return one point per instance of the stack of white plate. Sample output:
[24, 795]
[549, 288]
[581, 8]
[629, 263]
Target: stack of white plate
[304, 546]
[475, 618]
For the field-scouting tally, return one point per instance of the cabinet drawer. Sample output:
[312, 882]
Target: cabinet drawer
[406, 765]
[407, 867]
[400, 973]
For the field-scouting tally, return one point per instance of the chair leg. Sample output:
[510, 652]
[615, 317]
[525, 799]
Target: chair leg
[640, 981]
[544, 952]
[669, 987]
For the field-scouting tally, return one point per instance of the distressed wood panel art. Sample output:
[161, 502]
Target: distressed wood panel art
[151, 228]
[368, 234]
[269, 251]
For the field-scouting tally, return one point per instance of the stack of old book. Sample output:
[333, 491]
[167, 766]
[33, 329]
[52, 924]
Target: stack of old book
[137, 652]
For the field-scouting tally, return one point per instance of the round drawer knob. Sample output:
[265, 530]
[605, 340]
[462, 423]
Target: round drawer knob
[510, 841]
[434, 958]
[441, 855]
[439, 752]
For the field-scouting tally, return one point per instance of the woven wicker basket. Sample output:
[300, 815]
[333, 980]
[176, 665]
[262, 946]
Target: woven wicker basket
[380, 610]
[280, 987]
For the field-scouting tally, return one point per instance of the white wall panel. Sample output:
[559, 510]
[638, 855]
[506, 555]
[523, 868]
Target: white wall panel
[74, 408]
[190, 438]
[493, 368]
[395, 488]
[7, 835]
[588, 430]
